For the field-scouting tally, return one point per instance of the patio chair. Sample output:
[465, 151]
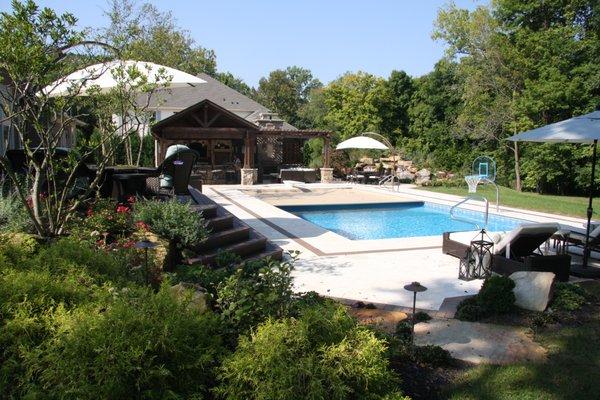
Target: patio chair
[569, 235]
[173, 176]
[518, 250]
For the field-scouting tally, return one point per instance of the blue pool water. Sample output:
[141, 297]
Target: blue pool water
[396, 220]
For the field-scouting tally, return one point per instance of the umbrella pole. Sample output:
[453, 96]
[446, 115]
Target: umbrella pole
[590, 210]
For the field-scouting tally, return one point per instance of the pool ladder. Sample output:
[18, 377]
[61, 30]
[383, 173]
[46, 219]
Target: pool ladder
[472, 197]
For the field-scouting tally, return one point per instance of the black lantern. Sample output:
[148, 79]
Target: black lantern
[477, 263]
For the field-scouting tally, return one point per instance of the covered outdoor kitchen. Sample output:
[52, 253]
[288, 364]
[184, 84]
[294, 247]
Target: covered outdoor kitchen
[234, 150]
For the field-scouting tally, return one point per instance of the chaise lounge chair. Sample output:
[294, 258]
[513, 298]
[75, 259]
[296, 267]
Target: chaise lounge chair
[516, 251]
[576, 236]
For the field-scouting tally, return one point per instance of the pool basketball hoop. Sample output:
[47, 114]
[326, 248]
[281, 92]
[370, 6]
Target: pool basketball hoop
[473, 181]
[483, 171]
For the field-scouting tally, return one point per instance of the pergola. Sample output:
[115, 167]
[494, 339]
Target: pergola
[228, 143]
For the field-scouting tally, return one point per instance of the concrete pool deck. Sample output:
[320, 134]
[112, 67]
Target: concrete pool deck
[366, 270]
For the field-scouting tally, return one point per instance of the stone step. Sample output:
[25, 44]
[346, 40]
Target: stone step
[243, 249]
[220, 223]
[207, 210]
[274, 253]
[222, 238]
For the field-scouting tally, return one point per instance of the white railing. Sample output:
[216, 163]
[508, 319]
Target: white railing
[472, 197]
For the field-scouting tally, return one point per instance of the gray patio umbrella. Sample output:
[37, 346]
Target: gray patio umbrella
[582, 129]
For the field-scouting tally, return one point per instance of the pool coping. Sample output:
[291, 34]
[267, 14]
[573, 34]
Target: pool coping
[322, 242]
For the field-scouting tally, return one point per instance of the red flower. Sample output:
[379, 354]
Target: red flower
[142, 225]
[128, 244]
[122, 208]
[131, 199]
[89, 212]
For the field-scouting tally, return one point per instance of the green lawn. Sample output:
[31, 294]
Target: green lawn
[563, 205]
[572, 370]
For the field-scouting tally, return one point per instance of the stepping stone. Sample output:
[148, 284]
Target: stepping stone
[479, 343]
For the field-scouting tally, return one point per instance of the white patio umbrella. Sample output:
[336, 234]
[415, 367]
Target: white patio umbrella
[361, 142]
[582, 129]
[105, 76]
[365, 141]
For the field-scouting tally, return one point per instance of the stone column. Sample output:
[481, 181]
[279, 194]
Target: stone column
[249, 176]
[326, 175]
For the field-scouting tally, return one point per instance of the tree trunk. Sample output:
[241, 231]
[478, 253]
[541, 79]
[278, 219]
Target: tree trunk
[518, 187]
[140, 150]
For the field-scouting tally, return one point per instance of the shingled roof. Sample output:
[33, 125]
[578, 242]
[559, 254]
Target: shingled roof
[181, 98]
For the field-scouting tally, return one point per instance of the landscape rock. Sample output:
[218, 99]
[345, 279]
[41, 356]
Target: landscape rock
[199, 298]
[405, 176]
[533, 290]
[441, 174]
[422, 175]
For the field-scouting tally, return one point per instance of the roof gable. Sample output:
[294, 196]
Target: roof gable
[205, 114]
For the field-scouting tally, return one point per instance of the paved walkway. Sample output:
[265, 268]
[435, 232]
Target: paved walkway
[480, 343]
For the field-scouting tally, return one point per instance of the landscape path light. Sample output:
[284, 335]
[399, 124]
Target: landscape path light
[414, 287]
[145, 244]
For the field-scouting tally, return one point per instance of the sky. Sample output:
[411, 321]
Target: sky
[329, 37]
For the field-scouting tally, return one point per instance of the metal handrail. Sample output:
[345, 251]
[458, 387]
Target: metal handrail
[385, 179]
[471, 197]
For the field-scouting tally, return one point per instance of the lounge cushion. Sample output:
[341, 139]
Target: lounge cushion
[525, 239]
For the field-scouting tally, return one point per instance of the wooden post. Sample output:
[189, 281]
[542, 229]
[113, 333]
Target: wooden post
[252, 139]
[247, 157]
[326, 151]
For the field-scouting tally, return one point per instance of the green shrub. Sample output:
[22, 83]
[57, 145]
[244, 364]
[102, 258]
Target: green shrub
[421, 316]
[404, 331]
[68, 254]
[568, 297]
[141, 345]
[323, 354]
[254, 292]
[172, 220]
[495, 297]
[17, 248]
[13, 215]
[469, 310]
[434, 356]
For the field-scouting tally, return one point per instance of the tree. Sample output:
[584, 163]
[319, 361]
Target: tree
[143, 33]
[286, 91]
[487, 69]
[395, 119]
[524, 64]
[234, 82]
[35, 51]
[353, 103]
[435, 104]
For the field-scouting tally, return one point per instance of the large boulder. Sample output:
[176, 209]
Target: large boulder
[405, 176]
[422, 175]
[533, 290]
[195, 295]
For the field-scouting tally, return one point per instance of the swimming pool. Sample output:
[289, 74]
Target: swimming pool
[396, 220]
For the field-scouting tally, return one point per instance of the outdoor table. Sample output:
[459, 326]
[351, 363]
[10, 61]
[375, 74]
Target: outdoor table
[106, 183]
[129, 184]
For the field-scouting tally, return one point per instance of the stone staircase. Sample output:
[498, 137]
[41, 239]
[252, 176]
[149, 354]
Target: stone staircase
[228, 233]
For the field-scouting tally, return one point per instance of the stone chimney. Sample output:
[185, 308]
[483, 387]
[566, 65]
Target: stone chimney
[269, 121]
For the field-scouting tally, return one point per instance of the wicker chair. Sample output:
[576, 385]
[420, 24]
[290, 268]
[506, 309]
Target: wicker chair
[173, 175]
